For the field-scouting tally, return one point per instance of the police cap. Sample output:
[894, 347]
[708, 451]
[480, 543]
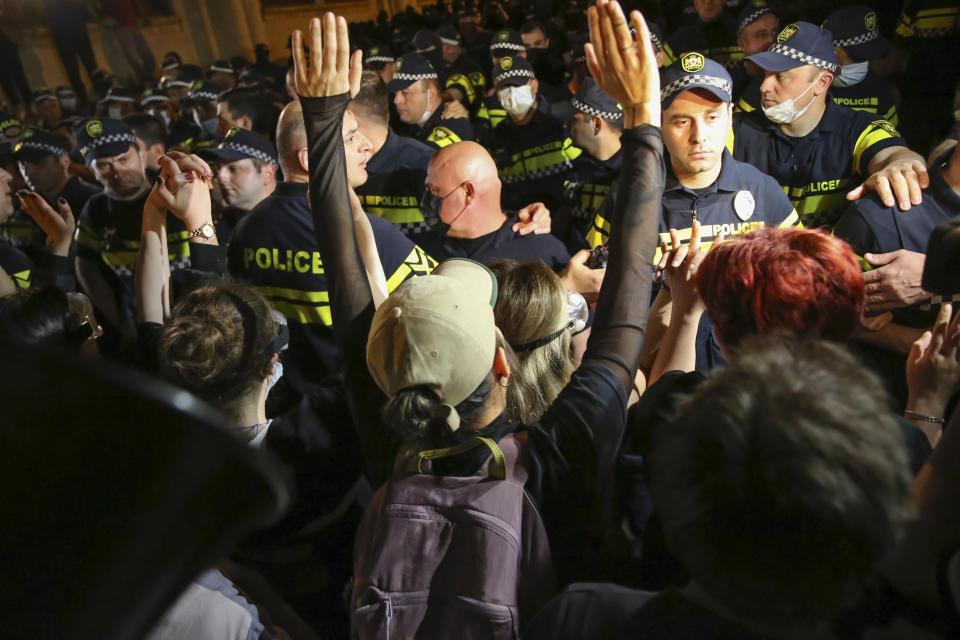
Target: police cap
[751, 12]
[593, 101]
[506, 42]
[856, 29]
[449, 35]
[694, 71]
[411, 68]
[42, 95]
[117, 94]
[240, 144]
[377, 56]
[37, 144]
[513, 71]
[103, 137]
[799, 44]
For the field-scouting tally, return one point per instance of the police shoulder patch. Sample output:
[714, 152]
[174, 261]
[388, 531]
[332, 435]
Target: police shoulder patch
[93, 128]
[788, 32]
[870, 21]
[692, 62]
[506, 62]
[885, 125]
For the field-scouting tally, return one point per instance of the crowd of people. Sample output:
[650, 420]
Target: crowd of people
[568, 321]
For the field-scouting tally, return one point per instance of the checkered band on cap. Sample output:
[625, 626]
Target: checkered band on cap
[790, 52]
[203, 95]
[863, 38]
[214, 67]
[593, 111]
[681, 84]
[179, 83]
[247, 151]
[450, 41]
[512, 46]
[380, 59]
[153, 98]
[513, 73]
[413, 77]
[750, 17]
[114, 97]
[111, 138]
[40, 146]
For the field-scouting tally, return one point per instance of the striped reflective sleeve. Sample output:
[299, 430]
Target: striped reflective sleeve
[418, 263]
[303, 307]
[599, 232]
[792, 220]
[876, 131]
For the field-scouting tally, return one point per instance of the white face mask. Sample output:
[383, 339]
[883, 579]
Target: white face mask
[851, 74]
[516, 100]
[275, 374]
[68, 104]
[115, 111]
[786, 112]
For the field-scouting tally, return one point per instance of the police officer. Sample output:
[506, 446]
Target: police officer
[713, 35]
[757, 25]
[398, 164]
[417, 97]
[222, 75]
[151, 138]
[461, 72]
[531, 148]
[818, 151]
[47, 106]
[380, 58]
[44, 159]
[200, 108]
[274, 248]
[704, 182]
[117, 103]
[928, 33]
[504, 43]
[595, 127]
[156, 102]
[856, 36]
[245, 164]
[108, 237]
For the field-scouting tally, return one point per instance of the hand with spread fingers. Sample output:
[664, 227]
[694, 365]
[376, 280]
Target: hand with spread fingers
[330, 70]
[933, 369]
[899, 183]
[624, 68]
[59, 224]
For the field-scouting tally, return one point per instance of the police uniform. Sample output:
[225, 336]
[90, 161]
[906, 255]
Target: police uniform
[395, 180]
[274, 248]
[818, 169]
[462, 72]
[930, 31]
[490, 114]
[411, 68]
[34, 146]
[872, 227]
[504, 43]
[856, 30]
[108, 232]
[750, 13]
[589, 183]
[535, 158]
[238, 144]
[715, 40]
[16, 265]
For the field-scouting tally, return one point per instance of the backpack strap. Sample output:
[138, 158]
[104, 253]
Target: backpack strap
[498, 466]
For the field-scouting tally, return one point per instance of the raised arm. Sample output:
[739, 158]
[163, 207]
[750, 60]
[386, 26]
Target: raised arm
[627, 71]
[325, 86]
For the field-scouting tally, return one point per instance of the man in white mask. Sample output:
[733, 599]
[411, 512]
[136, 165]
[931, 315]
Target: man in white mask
[821, 153]
[856, 36]
[108, 236]
[533, 153]
[117, 103]
[417, 96]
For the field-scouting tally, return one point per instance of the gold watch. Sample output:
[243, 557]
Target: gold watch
[206, 230]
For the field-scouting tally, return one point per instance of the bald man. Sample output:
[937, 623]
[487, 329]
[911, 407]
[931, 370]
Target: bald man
[461, 204]
[274, 248]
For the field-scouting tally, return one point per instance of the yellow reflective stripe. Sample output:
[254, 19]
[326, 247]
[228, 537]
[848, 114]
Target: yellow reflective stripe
[304, 314]
[730, 140]
[892, 116]
[707, 232]
[87, 238]
[396, 216]
[876, 131]
[294, 294]
[418, 263]
[21, 279]
[668, 56]
[442, 137]
[942, 19]
[792, 220]
[743, 106]
[599, 232]
[548, 158]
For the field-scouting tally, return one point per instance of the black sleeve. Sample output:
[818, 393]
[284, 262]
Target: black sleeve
[55, 270]
[351, 301]
[621, 318]
[853, 228]
[208, 258]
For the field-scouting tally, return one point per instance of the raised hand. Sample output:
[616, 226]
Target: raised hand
[331, 70]
[624, 68]
[58, 224]
[185, 194]
[679, 265]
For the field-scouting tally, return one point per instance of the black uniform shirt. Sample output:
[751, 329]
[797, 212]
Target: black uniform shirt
[394, 185]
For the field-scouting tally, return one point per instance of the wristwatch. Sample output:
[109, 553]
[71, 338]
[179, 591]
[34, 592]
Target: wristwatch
[205, 230]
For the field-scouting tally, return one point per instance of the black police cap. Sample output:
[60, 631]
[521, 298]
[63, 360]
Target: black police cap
[37, 144]
[857, 30]
[103, 137]
[240, 144]
[411, 68]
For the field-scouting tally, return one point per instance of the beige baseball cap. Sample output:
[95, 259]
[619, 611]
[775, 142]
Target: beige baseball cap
[437, 331]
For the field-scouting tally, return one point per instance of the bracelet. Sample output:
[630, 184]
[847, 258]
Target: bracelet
[913, 415]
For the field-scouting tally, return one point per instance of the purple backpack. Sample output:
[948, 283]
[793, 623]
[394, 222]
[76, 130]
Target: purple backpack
[445, 557]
